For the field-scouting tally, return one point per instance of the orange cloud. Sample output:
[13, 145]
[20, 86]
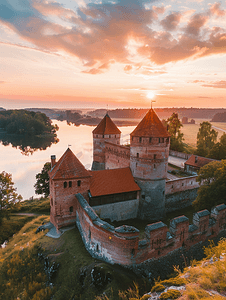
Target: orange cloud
[171, 21]
[98, 33]
[215, 10]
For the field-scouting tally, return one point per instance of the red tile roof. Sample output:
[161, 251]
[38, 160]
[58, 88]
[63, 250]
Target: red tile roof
[150, 126]
[106, 126]
[114, 181]
[68, 167]
[198, 161]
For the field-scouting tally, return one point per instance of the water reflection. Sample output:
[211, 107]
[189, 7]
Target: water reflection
[28, 144]
[24, 167]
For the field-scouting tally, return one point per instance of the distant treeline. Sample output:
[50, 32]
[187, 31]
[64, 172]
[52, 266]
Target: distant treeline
[219, 117]
[201, 113]
[25, 122]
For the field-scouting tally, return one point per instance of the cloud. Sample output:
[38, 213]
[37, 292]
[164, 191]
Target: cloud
[128, 68]
[171, 21]
[215, 10]
[195, 24]
[99, 33]
[216, 84]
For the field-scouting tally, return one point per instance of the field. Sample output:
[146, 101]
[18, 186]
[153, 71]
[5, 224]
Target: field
[190, 131]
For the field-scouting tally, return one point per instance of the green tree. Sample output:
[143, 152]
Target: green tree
[218, 151]
[212, 180]
[174, 124]
[206, 139]
[42, 183]
[9, 199]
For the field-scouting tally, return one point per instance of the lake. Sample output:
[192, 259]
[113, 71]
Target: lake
[24, 168]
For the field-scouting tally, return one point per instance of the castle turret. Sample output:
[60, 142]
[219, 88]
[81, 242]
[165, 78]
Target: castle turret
[106, 130]
[149, 152]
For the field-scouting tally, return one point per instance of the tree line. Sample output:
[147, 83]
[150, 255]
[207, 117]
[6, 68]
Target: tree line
[25, 122]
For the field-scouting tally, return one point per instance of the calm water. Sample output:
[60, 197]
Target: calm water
[24, 168]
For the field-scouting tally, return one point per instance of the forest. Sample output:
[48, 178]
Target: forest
[25, 122]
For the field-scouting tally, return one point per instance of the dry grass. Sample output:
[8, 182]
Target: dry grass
[24, 238]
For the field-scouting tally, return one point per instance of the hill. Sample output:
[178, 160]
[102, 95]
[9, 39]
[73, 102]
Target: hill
[35, 266]
[219, 117]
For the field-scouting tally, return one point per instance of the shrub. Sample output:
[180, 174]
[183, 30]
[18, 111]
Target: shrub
[170, 294]
[158, 287]
[177, 281]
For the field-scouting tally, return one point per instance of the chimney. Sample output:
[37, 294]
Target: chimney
[196, 159]
[53, 160]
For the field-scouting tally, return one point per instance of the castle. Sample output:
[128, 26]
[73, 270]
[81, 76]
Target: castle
[127, 182]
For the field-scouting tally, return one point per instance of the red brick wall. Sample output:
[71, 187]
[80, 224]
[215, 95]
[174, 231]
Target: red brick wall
[181, 184]
[99, 145]
[149, 160]
[116, 156]
[63, 198]
[103, 241]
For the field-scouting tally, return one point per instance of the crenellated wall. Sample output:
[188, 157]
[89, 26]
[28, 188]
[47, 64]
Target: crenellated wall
[122, 245]
[116, 156]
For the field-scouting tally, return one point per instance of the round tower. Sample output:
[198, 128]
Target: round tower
[149, 152]
[106, 130]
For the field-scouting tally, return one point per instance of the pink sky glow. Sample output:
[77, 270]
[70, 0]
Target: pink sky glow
[90, 53]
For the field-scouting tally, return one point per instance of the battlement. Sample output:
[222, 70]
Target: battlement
[122, 245]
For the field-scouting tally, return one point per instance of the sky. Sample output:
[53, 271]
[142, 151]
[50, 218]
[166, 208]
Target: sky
[125, 53]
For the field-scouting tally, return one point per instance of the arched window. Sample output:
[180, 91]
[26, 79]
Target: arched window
[79, 183]
[65, 184]
[70, 183]
[71, 209]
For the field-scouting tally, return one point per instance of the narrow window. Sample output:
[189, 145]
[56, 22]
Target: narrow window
[103, 135]
[149, 140]
[154, 166]
[65, 184]
[51, 200]
[140, 139]
[143, 197]
[154, 156]
[172, 186]
[70, 183]
[115, 136]
[71, 209]
[109, 136]
[137, 155]
[79, 183]
[133, 251]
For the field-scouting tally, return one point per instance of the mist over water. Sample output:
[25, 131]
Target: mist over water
[24, 168]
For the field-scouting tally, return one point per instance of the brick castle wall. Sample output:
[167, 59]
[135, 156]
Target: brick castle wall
[63, 205]
[122, 245]
[116, 156]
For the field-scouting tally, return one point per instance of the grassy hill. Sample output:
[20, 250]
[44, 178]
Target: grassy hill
[34, 266]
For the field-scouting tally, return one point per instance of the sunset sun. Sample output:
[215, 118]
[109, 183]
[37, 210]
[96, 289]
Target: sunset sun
[150, 95]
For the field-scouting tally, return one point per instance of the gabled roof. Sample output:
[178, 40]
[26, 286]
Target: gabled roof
[68, 167]
[150, 126]
[106, 126]
[198, 161]
[114, 181]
